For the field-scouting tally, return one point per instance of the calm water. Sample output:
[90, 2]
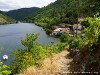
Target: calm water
[11, 34]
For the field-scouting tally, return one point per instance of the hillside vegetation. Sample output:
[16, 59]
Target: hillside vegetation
[61, 10]
[4, 19]
[20, 14]
[84, 49]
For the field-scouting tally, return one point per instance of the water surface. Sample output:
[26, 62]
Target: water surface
[11, 34]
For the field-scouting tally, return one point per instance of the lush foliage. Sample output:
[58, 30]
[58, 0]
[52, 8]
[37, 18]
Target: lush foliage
[64, 37]
[29, 41]
[33, 54]
[90, 38]
[65, 11]
[22, 60]
[39, 53]
[85, 49]
[4, 69]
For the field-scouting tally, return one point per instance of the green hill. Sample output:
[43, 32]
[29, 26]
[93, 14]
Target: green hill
[4, 19]
[20, 14]
[58, 11]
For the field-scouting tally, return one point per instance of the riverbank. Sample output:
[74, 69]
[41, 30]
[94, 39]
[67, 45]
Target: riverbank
[11, 34]
[57, 30]
[7, 23]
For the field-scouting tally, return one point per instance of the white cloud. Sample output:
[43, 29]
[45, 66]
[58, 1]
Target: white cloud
[16, 4]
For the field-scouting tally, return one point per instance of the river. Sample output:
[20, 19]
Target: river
[11, 34]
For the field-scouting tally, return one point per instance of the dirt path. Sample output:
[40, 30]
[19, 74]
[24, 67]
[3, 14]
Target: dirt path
[58, 67]
[64, 62]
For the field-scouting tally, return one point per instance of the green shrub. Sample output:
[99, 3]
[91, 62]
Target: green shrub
[29, 40]
[32, 55]
[56, 48]
[38, 53]
[4, 69]
[22, 60]
[64, 37]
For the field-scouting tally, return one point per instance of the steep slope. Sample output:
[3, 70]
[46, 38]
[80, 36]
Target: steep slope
[86, 52]
[58, 11]
[59, 66]
[4, 19]
[20, 14]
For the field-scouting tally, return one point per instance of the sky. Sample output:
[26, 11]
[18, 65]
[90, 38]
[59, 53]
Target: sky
[6, 5]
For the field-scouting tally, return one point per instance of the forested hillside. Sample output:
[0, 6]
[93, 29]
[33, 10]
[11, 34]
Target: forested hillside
[81, 43]
[4, 19]
[20, 14]
[61, 10]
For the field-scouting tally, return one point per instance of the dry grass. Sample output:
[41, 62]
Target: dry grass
[44, 70]
[48, 68]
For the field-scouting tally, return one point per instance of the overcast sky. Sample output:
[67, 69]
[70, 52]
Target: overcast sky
[7, 5]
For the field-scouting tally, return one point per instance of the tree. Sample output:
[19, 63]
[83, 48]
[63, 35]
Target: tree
[33, 54]
[29, 40]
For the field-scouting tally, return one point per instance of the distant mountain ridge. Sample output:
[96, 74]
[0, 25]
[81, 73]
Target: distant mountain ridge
[20, 14]
[4, 19]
